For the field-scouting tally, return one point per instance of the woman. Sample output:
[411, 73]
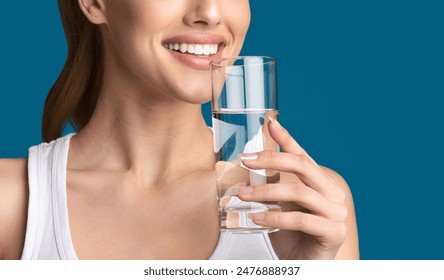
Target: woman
[137, 180]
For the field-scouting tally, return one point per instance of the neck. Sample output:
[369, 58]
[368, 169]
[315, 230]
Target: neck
[154, 141]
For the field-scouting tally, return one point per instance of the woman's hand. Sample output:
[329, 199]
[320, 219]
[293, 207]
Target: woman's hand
[313, 220]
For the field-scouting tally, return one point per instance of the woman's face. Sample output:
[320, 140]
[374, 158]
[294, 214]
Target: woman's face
[168, 44]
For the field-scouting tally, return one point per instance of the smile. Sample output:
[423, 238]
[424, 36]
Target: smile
[196, 49]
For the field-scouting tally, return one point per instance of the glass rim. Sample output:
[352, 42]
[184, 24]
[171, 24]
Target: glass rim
[217, 63]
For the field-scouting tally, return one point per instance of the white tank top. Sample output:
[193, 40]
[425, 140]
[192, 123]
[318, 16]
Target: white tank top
[48, 236]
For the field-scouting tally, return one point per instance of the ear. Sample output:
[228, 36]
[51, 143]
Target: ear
[94, 10]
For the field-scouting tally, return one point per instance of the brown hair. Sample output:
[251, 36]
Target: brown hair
[74, 95]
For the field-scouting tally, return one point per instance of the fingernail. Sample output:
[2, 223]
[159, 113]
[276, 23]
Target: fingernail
[257, 216]
[245, 190]
[274, 121]
[249, 156]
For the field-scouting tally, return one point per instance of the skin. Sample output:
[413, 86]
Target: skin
[141, 185]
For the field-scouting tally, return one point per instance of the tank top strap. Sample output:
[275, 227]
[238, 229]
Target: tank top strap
[47, 234]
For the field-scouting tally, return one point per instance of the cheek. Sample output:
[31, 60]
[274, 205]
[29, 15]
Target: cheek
[134, 24]
[238, 21]
[133, 34]
[244, 17]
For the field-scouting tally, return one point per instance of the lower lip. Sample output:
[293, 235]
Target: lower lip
[196, 62]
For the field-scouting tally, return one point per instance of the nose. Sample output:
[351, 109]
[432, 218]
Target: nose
[203, 14]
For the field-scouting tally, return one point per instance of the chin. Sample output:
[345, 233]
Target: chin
[196, 98]
[194, 91]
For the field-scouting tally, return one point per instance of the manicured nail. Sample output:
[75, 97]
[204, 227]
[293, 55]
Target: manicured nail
[257, 216]
[245, 190]
[249, 156]
[274, 121]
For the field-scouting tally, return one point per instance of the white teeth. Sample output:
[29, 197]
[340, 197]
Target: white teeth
[197, 49]
[206, 50]
[183, 48]
[191, 49]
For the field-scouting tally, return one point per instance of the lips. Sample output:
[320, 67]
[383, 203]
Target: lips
[196, 51]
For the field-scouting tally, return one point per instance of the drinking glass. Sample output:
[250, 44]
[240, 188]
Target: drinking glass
[244, 96]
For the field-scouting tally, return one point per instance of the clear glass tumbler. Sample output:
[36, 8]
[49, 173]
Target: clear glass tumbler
[244, 95]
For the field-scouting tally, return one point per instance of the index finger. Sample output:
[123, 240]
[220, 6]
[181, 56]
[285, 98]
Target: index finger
[284, 139]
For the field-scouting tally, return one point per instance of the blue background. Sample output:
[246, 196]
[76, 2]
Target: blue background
[361, 88]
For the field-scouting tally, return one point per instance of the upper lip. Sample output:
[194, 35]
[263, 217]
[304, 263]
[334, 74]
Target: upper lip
[202, 38]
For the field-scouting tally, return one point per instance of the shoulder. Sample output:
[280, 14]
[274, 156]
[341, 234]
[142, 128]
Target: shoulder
[13, 176]
[13, 206]
[12, 166]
